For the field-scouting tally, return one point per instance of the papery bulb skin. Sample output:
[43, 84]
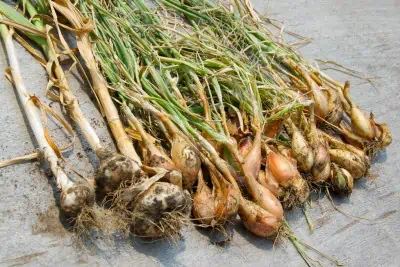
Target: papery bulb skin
[257, 220]
[350, 161]
[186, 159]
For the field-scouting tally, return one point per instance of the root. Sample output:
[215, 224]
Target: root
[153, 209]
[98, 219]
[167, 226]
[295, 195]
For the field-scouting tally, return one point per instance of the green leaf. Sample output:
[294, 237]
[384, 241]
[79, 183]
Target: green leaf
[17, 17]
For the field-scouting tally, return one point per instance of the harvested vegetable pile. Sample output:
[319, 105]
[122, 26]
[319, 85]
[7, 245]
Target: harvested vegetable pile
[212, 114]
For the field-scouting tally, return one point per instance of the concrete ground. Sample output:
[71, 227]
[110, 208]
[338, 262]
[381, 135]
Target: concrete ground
[360, 34]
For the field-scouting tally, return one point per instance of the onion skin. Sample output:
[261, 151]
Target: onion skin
[252, 161]
[385, 136]
[335, 105]
[266, 179]
[272, 128]
[204, 203]
[351, 138]
[301, 149]
[245, 145]
[233, 127]
[75, 198]
[355, 164]
[228, 200]
[321, 103]
[287, 152]
[186, 159]
[156, 158]
[321, 169]
[361, 124]
[341, 180]
[257, 220]
[288, 177]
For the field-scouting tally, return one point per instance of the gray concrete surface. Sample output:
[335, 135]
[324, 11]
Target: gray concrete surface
[361, 34]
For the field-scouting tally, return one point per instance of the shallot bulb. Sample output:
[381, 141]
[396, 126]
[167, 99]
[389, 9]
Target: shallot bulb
[301, 148]
[321, 103]
[361, 124]
[227, 200]
[342, 181]
[288, 177]
[269, 181]
[257, 220]
[356, 165]
[322, 164]
[186, 159]
[335, 105]
[204, 203]
[321, 168]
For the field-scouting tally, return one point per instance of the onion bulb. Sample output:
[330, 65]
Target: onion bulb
[227, 199]
[301, 149]
[361, 124]
[268, 181]
[321, 103]
[341, 180]
[335, 105]
[288, 177]
[281, 168]
[321, 168]
[350, 161]
[186, 159]
[252, 160]
[204, 203]
[257, 220]
[322, 164]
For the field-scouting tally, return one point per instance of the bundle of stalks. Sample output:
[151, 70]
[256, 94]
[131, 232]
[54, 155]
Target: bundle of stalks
[115, 170]
[251, 37]
[74, 196]
[221, 89]
[227, 119]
